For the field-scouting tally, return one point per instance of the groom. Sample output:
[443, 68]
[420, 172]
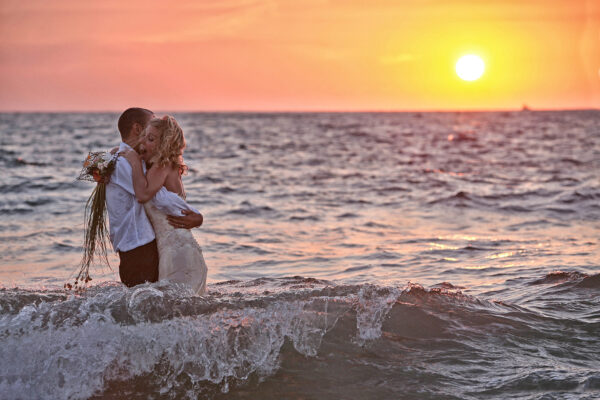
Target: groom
[131, 233]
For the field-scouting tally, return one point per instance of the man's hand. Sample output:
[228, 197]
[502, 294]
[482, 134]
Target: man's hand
[188, 221]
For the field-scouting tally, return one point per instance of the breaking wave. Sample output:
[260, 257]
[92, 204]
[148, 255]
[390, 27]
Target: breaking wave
[113, 342]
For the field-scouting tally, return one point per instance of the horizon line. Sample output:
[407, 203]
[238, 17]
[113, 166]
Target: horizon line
[301, 111]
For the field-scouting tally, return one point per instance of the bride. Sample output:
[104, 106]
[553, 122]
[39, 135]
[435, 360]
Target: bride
[161, 147]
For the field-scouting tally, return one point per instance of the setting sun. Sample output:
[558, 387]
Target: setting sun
[470, 67]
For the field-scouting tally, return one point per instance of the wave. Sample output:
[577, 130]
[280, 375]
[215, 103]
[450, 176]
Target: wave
[573, 279]
[248, 209]
[552, 203]
[43, 184]
[59, 344]
[591, 282]
[560, 277]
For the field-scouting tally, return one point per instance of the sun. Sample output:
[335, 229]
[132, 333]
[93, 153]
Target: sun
[470, 67]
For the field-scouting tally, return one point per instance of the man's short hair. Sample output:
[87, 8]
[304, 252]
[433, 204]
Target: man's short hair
[131, 116]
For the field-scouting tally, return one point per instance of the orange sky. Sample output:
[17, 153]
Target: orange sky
[277, 55]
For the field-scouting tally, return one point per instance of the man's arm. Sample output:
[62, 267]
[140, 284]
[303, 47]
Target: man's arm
[188, 221]
[179, 213]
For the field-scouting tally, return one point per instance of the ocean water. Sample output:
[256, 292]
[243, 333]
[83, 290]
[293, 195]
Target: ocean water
[350, 256]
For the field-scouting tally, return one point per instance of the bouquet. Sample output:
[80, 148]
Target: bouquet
[97, 167]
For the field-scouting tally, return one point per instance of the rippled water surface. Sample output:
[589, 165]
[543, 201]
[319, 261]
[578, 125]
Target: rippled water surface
[395, 255]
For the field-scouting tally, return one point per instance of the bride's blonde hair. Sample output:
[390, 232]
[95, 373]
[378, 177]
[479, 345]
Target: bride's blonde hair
[169, 149]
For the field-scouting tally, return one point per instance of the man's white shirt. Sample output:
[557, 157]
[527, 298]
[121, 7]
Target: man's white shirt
[129, 225]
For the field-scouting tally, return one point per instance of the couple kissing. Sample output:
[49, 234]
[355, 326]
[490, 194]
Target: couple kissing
[149, 219]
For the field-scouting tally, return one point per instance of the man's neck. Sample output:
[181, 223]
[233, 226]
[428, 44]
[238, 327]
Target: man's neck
[131, 142]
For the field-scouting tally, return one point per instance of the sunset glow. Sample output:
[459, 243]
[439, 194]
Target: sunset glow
[309, 55]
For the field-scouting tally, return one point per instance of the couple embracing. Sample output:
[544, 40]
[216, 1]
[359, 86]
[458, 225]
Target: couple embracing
[149, 219]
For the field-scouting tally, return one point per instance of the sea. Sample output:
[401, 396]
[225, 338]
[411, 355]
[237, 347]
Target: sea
[442, 255]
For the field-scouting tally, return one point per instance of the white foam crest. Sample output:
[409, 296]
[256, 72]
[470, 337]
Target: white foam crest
[76, 360]
[374, 303]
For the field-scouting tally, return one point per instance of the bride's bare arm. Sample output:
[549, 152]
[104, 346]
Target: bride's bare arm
[145, 186]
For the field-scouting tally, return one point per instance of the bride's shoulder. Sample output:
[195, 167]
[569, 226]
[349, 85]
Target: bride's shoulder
[163, 169]
[173, 181]
[170, 173]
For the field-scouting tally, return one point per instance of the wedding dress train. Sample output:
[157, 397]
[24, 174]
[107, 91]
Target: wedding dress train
[180, 256]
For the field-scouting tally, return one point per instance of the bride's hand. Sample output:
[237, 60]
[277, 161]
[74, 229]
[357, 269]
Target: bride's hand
[132, 156]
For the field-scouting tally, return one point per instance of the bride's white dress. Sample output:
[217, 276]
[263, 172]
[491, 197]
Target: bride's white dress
[180, 256]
